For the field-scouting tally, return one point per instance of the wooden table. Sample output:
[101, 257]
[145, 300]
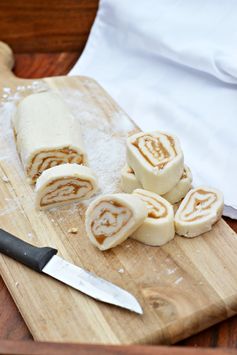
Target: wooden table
[12, 326]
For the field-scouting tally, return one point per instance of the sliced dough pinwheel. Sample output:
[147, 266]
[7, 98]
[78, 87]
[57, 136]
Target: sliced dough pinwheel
[180, 190]
[111, 219]
[47, 134]
[64, 183]
[158, 227]
[156, 159]
[198, 211]
[129, 181]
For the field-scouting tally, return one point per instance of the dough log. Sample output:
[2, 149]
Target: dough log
[181, 188]
[46, 134]
[111, 219]
[156, 159]
[198, 211]
[129, 181]
[158, 227]
[64, 183]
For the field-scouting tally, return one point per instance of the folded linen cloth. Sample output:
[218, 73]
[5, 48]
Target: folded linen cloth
[172, 66]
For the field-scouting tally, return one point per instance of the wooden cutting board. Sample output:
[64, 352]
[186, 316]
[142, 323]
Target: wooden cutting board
[183, 287]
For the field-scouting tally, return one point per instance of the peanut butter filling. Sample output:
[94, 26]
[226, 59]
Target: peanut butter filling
[108, 220]
[184, 175]
[156, 209]
[155, 149]
[68, 190]
[65, 155]
[200, 206]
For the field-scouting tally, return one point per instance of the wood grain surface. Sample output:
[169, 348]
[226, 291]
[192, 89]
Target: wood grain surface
[46, 25]
[36, 348]
[224, 335]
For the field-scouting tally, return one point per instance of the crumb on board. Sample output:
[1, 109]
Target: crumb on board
[4, 178]
[17, 284]
[171, 271]
[73, 230]
[180, 279]
[121, 270]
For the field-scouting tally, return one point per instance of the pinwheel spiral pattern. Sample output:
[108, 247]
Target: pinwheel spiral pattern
[156, 207]
[158, 151]
[198, 205]
[49, 158]
[111, 219]
[156, 159]
[158, 227]
[64, 183]
[198, 211]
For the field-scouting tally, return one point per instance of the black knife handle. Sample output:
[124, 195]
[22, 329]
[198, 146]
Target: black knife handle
[27, 254]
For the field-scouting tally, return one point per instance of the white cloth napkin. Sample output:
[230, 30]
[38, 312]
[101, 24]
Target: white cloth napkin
[172, 66]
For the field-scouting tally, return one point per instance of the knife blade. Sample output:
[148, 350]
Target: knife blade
[45, 260]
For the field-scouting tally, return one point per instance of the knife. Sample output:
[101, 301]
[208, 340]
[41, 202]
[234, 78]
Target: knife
[45, 260]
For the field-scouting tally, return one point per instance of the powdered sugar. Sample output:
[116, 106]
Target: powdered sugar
[14, 95]
[104, 136]
[8, 151]
[171, 271]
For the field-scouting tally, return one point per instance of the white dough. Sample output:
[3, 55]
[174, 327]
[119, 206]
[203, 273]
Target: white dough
[198, 211]
[111, 219]
[129, 181]
[47, 134]
[157, 160]
[64, 183]
[158, 227]
[180, 190]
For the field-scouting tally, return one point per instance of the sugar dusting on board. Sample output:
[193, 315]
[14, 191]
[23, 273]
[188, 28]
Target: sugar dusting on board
[7, 144]
[104, 137]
